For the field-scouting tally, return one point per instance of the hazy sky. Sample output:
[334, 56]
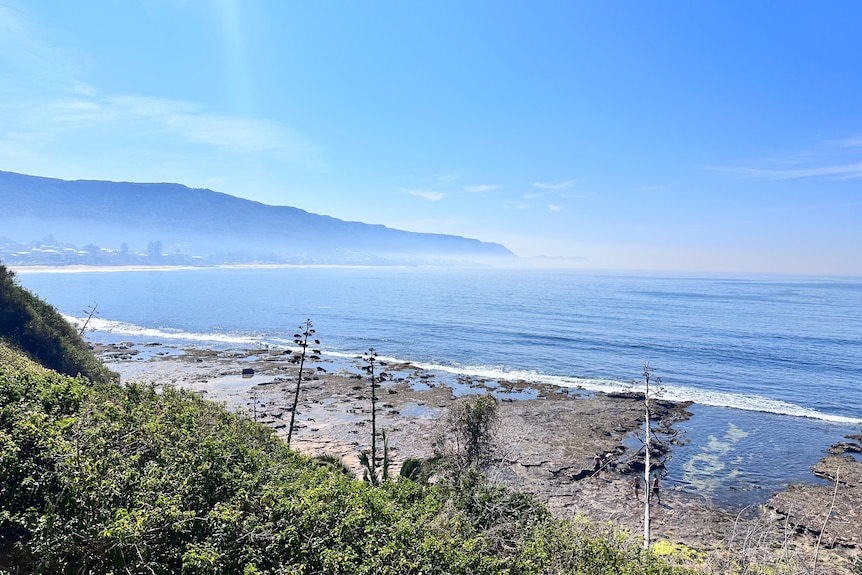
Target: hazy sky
[689, 135]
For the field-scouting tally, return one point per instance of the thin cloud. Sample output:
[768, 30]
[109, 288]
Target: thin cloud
[846, 171]
[430, 195]
[481, 188]
[174, 118]
[555, 208]
[19, 36]
[231, 133]
[853, 142]
[82, 89]
[552, 186]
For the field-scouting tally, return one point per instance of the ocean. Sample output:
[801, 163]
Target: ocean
[773, 364]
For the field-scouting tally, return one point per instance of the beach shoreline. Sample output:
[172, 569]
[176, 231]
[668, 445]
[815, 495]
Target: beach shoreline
[82, 268]
[549, 438]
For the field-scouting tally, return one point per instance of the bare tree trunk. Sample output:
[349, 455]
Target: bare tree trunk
[647, 485]
[373, 412]
[296, 396]
[90, 312]
[300, 339]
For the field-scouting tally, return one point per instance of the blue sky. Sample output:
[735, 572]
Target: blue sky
[685, 136]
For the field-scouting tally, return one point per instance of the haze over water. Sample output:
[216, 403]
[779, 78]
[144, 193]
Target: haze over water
[774, 364]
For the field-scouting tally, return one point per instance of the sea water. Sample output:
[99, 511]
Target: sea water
[773, 364]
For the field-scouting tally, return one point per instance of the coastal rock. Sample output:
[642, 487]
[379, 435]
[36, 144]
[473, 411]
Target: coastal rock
[830, 512]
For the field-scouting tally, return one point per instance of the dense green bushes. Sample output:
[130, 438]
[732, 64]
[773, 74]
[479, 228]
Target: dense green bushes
[114, 479]
[37, 329]
[97, 477]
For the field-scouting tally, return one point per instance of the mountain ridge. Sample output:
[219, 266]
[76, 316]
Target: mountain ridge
[208, 223]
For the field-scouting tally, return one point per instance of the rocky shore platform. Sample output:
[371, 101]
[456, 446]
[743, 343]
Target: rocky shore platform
[548, 441]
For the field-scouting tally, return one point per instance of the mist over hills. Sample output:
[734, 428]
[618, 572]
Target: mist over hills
[124, 222]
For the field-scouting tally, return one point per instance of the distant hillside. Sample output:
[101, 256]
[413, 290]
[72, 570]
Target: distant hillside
[175, 220]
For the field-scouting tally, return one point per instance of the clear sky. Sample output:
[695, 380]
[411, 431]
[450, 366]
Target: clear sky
[675, 135]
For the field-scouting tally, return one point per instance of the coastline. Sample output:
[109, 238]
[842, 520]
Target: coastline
[548, 437]
[77, 268]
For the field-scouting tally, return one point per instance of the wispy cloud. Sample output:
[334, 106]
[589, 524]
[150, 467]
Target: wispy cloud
[844, 171]
[481, 188]
[82, 89]
[82, 112]
[852, 142]
[430, 195]
[835, 159]
[447, 178]
[47, 109]
[19, 35]
[555, 208]
[552, 185]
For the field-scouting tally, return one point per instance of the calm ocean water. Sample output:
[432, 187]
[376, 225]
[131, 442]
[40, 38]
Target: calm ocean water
[773, 364]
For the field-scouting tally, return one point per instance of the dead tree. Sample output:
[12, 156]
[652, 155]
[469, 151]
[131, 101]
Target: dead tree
[90, 311]
[650, 442]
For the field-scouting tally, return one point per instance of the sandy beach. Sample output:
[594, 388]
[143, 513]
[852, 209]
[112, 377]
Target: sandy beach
[547, 443]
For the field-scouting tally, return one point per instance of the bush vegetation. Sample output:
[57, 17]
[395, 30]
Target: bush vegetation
[98, 477]
[37, 329]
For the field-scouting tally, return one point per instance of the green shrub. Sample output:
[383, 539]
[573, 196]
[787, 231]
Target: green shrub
[36, 328]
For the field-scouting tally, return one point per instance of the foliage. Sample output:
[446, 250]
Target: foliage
[420, 470]
[665, 548]
[578, 546]
[333, 462]
[108, 478]
[37, 329]
[466, 439]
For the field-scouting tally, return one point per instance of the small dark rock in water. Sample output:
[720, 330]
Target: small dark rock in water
[247, 371]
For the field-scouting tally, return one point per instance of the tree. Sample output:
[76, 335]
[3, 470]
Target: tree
[90, 311]
[467, 438]
[301, 339]
[369, 461]
[653, 447]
